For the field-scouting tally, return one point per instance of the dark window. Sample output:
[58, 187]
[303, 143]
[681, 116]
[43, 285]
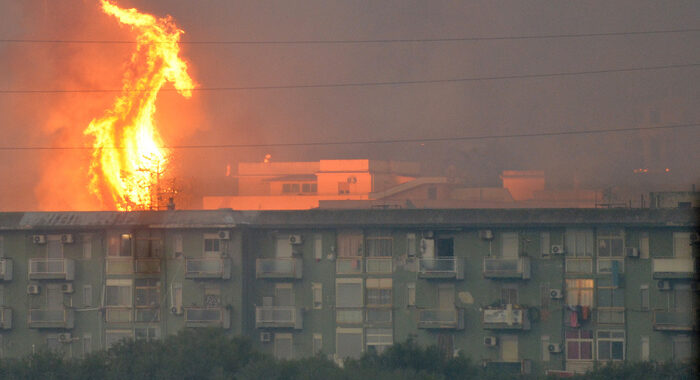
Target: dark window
[445, 247]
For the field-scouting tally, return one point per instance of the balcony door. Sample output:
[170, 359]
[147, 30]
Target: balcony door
[446, 297]
[284, 295]
[54, 297]
[54, 247]
[509, 245]
[508, 348]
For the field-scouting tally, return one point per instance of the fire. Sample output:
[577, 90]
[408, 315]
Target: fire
[128, 157]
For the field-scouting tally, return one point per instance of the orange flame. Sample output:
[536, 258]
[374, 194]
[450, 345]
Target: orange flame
[128, 158]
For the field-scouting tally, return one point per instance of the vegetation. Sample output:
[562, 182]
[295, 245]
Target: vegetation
[210, 354]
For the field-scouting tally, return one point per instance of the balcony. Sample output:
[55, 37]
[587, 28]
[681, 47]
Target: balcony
[120, 265]
[439, 268]
[441, 319]
[208, 267]
[284, 268]
[51, 269]
[673, 320]
[521, 367]
[507, 267]
[5, 269]
[146, 266]
[348, 265]
[207, 317]
[673, 268]
[378, 265]
[278, 317]
[5, 318]
[506, 317]
[51, 319]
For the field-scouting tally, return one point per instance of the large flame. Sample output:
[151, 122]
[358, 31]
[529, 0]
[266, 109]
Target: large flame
[128, 157]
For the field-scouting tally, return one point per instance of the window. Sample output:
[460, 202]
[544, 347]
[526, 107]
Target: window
[283, 346]
[87, 295]
[318, 246]
[411, 245]
[509, 294]
[212, 244]
[579, 344]
[118, 293]
[644, 245]
[54, 246]
[379, 339]
[379, 292]
[545, 297]
[317, 343]
[114, 336]
[2, 247]
[579, 292]
[681, 245]
[610, 243]
[87, 344]
[146, 333]
[87, 246]
[611, 345]
[177, 245]
[348, 342]
[119, 245]
[147, 293]
[545, 246]
[611, 303]
[290, 187]
[350, 244]
[579, 243]
[317, 295]
[176, 296]
[378, 315]
[411, 297]
[681, 348]
[644, 352]
[343, 188]
[509, 244]
[283, 248]
[309, 188]
[545, 348]
[348, 292]
[644, 297]
[379, 245]
[148, 246]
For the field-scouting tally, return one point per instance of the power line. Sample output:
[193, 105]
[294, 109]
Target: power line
[366, 41]
[368, 84]
[387, 141]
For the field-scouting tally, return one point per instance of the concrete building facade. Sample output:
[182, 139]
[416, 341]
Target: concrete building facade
[519, 290]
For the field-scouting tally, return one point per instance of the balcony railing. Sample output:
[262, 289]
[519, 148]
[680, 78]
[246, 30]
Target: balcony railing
[507, 267]
[681, 320]
[278, 268]
[207, 317]
[348, 265]
[520, 367]
[278, 317]
[51, 269]
[378, 265]
[147, 266]
[442, 267]
[5, 269]
[5, 318]
[50, 319]
[441, 319]
[673, 268]
[577, 265]
[118, 314]
[506, 317]
[208, 267]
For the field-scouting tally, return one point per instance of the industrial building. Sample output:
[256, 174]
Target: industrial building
[522, 290]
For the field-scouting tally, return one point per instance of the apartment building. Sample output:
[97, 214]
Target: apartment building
[519, 290]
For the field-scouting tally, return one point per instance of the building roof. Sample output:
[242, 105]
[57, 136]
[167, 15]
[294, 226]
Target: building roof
[353, 218]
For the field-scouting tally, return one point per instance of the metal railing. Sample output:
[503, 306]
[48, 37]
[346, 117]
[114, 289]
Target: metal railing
[207, 267]
[378, 265]
[277, 316]
[673, 320]
[579, 265]
[441, 318]
[147, 265]
[278, 268]
[507, 267]
[505, 317]
[207, 316]
[440, 267]
[349, 265]
[60, 269]
[50, 318]
[675, 267]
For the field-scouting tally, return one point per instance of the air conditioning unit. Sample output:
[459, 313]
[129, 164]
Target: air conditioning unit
[295, 239]
[65, 338]
[177, 310]
[490, 341]
[554, 348]
[67, 287]
[33, 289]
[265, 337]
[224, 235]
[67, 238]
[486, 234]
[664, 285]
[557, 249]
[632, 252]
[556, 294]
[39, 239]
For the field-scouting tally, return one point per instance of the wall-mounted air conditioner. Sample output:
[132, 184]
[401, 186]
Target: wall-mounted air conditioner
[33, 289]
[265, 337]
[224, 235]
[556, 294]
[39, 239]
[486, 234]
[632, 252]
[65, 337]
[490, 341]
[295, 239]
[177, 310]
[556, 249]
[554, 348]
[67, 238]
[67, 288]
[664, 285]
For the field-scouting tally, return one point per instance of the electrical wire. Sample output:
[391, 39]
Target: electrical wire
[370, 84]
[387, 141]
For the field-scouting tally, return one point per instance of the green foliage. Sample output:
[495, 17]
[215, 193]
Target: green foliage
[211, 354]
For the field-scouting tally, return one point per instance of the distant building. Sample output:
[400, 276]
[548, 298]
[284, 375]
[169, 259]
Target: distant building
[520, 290]
[341, 184]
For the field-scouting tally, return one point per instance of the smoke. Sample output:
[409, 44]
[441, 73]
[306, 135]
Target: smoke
[56, 179]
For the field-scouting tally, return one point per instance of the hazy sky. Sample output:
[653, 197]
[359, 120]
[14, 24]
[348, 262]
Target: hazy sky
[513, 106]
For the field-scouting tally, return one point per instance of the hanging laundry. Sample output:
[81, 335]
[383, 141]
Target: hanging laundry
[573, 319]
[585, 312]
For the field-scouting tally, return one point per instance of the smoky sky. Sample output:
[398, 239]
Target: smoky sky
[474, 108]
